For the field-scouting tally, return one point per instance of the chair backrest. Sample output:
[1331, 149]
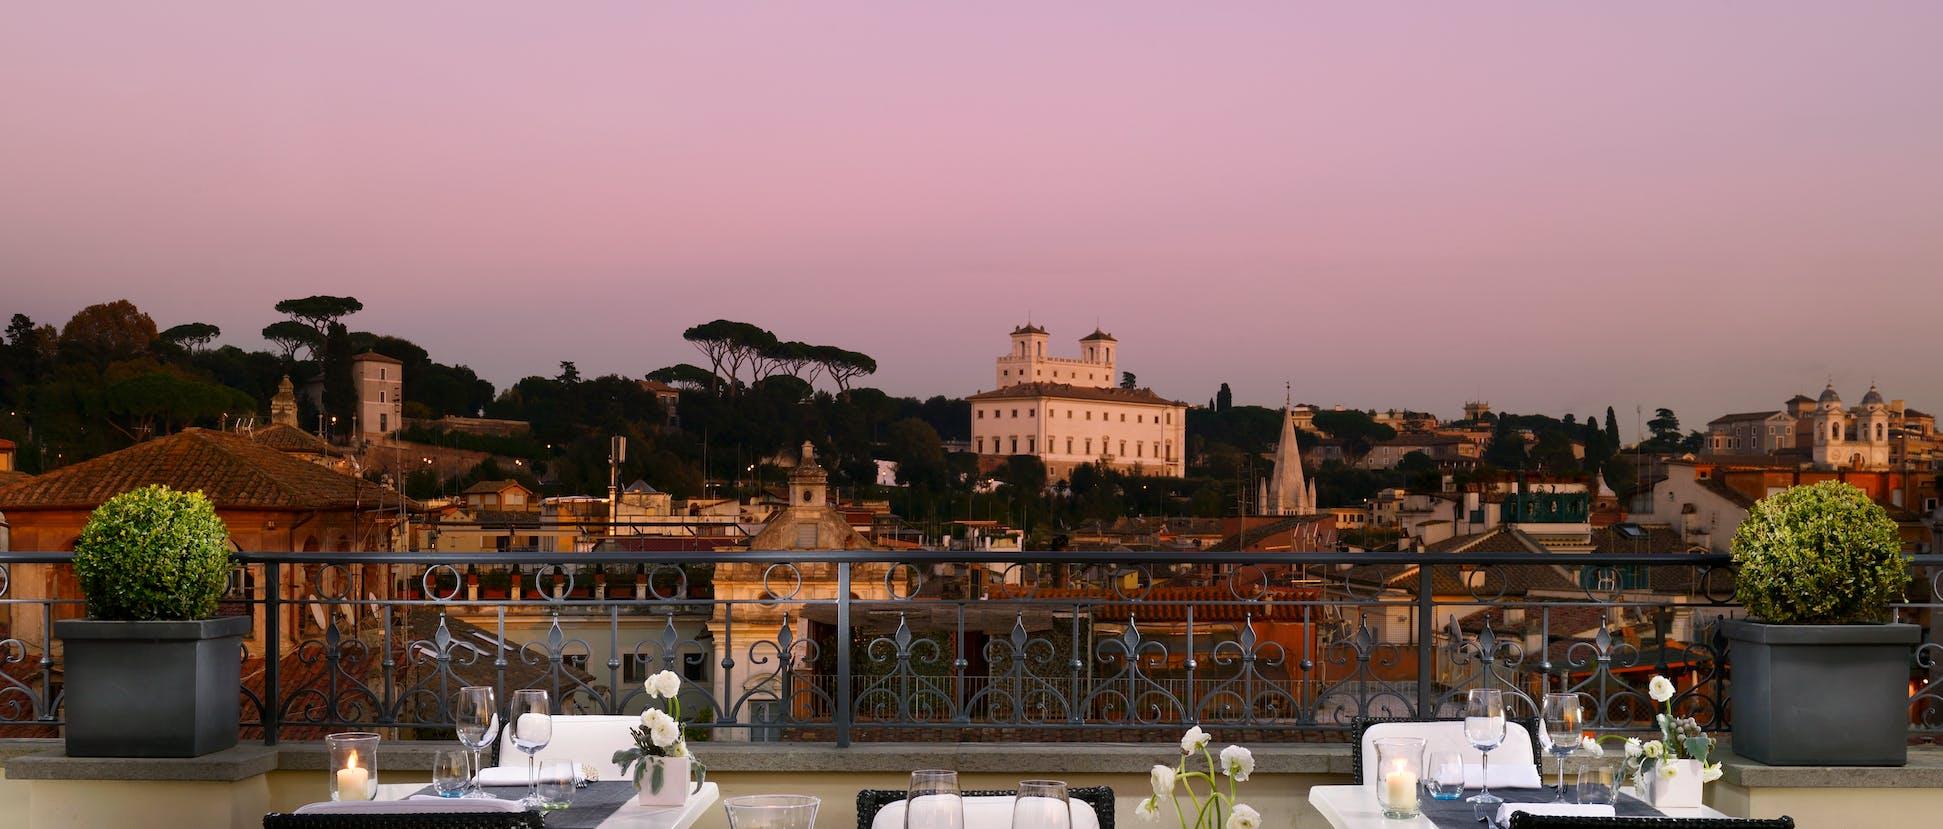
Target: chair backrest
[1520, 741]
[1526, 820]
[405, 820]
[590, 739]
[872, 801]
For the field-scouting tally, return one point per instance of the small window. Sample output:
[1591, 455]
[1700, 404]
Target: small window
[806, 536]
[1015, 446]
[981, 414]
[1031, 412]
[1089, 415]
[1029, 444]
[1123, 448]
[1015, 412]
[1123, 417]
[381, 374]
[981, 446]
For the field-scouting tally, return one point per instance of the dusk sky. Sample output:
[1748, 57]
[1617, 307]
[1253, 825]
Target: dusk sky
[1554, 206]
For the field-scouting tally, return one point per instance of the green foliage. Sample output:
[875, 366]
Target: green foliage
[320, 312]
[194, 336]
[289, 336]
[107, 332]
[153, 554]
[1223, 399]
[1356, 430]
[1819, 554]
[340, 391]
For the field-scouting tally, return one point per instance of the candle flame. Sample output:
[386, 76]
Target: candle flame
[1399, 765]
[352, 762]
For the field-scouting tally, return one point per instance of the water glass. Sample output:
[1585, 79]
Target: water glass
[1444, 775]
[452, 772]
[933, 801]
[1600, 779]
[532, 718]
[354, 765]
[1560, 718]
[771, 811]
[476, 718]
[1484, 728]
[1042, 804]
[1399, 775]
[555, 785]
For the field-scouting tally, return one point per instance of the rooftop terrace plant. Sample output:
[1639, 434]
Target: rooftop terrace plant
[153, 554]
[1823, 554]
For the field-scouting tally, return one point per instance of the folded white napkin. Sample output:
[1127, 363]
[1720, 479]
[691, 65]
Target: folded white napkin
[1562, 809]
[517, 775]
[985, 812]
[1504, 776]
[412, 805]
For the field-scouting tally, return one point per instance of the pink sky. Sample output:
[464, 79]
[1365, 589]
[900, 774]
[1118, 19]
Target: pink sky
[1556, 206]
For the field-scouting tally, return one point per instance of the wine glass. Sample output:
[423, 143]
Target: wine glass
[1559, 731]
[477, 719]
[1041, 804]
[933, 801]
[1484, 728]
[532, 730]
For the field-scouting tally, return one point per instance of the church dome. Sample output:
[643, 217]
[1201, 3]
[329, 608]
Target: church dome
[1829, 396]
[1873, 398]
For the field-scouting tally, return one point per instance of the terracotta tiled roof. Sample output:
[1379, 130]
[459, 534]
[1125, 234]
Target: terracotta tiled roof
[232, 470]
[1733, 496]
[12, 475]
[1098, 335]
[373, 356]
[6, 444]
[493, 487]
[1072, 392]
[1738, 416]
[286, 438]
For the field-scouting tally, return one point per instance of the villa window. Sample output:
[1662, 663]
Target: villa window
[1123, 417]
[1140, 449]
[981, 446]
[1069, 446]
[1030, 412]
[1089, 415]
[1015, 412]
[1030, 444]
[981, 414]
[1015, 446]
[1089, 446]
[1123, 448]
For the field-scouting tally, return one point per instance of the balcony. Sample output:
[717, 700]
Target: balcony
[825, 673]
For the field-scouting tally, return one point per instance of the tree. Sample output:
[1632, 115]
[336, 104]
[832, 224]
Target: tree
[919, 454]
[1507, 449]
[290, 335]
[107, 332]
[1612, 431]
[1554, 453]
[569, 373]
[1664, 431]
[320, 312]
[194, 336]
[1127, 380]
[1223, 399]
[793, 358]
[843, 366]
[1357, 431]
[340, 392]
[715, 340]
[683, 374]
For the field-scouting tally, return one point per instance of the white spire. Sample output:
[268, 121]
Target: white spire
[1287, 492]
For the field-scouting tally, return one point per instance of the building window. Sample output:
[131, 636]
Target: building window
[384, 423]
[1015, 446]
[1069, 446]
[1123, 448]
[1140, 449]
[1123, 417]
[1089, 446]
[981, 446]
[381, 374]
[1031, 444]
[1089, 415]
[1015, 413]
[981, 414]
[1170, 418]
[1031, 413]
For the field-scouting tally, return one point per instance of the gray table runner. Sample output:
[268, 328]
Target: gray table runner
[1459, 814]
[591, 805]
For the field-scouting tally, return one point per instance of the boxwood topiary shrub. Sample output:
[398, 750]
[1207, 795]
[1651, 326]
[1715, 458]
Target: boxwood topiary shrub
[153, 554]
[1819, 555]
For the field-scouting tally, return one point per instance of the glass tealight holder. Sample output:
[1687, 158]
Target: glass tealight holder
[1399, 776]
[354, 765]
[1600, 779]
[1444, 775]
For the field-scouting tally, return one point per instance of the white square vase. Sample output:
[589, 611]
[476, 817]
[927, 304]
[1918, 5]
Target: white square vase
[665, 782]
[1681, 791]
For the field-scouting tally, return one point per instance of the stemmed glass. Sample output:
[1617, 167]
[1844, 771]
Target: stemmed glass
[933, 801]
[532, 730]
[1041, 804]
[1559, 731]
[1484, 728]
[478, 724]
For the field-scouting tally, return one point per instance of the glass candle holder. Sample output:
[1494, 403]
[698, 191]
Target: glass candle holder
[1600, 779]
[1399, 775]
[354, 765]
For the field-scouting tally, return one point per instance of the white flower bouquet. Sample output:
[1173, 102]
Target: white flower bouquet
[660, 734]
[1681, 738]
[1213, 808]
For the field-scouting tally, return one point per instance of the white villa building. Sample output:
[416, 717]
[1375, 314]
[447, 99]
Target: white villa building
[1067, 411]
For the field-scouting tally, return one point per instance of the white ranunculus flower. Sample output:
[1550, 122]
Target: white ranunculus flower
[1162, 778]
[1194, 740]
[1238, 763]
[1669, 770]
[1633, 747]
[1710, 772]
[663, 684]
[1148, 809]
[679, 749]
[1244, 817]
[1660, 689]
[1591, 747]
[661, 727]
[1653, 750]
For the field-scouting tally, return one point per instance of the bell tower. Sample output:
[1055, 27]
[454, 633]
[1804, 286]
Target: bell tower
[808, 483]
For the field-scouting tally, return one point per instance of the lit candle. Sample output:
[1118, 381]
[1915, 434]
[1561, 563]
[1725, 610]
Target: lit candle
[1400, 789]
[353, 783]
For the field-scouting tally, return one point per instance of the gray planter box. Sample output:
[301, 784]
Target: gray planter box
[152, 689]
[1821, 695]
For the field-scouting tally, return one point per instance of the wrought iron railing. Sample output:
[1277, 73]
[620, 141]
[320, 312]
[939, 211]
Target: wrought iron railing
[845, 646]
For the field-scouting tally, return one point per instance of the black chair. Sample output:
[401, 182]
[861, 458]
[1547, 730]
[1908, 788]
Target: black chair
[871, 801]
[1524, 820]
[420, 820]
[1361, 724]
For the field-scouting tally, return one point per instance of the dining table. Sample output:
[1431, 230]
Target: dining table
[593, 800]
[1355, 807]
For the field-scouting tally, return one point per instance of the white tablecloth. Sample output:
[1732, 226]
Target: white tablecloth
[1355, 807]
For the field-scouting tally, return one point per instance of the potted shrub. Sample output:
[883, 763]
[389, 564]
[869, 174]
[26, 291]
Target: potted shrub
[149, 672]
[1820, 675]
